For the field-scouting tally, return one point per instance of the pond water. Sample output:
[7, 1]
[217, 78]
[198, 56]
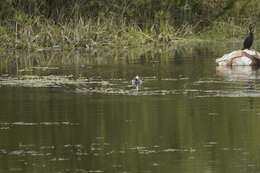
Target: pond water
[78, 112]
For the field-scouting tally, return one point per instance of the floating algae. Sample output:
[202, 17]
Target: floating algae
[85, 85]
[30, 69]
[46, 81]
[89, 86]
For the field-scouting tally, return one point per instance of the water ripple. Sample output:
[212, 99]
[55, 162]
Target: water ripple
[227, 83]
[38, 124]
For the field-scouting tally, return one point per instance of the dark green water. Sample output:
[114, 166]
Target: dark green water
[85, 117]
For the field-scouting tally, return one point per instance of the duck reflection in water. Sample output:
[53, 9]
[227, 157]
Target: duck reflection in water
[137, 82]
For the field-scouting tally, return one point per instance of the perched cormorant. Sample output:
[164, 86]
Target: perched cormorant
[250, 38]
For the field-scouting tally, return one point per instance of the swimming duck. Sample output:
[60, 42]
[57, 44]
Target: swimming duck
[137, 82]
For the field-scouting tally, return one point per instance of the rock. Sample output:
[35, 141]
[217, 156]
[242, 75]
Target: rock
[240, 57]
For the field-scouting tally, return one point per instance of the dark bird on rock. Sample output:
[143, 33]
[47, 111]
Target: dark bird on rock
[250, 38]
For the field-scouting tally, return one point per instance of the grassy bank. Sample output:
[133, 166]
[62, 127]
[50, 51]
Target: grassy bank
[37, 33]
[42, 24]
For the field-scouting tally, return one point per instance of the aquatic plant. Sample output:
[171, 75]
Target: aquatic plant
[37, 25]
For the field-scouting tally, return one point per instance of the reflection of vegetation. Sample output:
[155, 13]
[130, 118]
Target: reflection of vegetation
[20, 62]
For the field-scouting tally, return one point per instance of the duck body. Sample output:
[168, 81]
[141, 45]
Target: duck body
[137, 81]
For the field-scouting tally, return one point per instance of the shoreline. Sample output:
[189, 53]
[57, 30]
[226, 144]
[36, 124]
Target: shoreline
[36, 34]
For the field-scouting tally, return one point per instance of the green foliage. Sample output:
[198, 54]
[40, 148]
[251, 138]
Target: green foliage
[6, 9]
[68, 24]
[143, 12]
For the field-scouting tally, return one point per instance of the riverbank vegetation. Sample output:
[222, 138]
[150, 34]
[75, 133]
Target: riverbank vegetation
[37, 24]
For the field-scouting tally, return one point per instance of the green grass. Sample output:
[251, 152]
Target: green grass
[37, 33]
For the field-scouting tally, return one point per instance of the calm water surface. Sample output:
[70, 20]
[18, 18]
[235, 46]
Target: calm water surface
[78, 113]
